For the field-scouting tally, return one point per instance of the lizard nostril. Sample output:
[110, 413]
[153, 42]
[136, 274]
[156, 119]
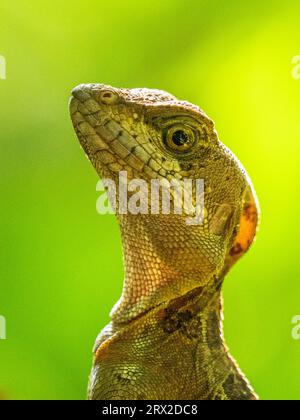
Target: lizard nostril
[108, 97]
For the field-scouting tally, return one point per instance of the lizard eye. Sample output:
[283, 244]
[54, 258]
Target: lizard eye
[179, 139]
[108, 97]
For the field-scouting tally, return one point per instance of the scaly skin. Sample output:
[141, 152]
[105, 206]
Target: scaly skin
[165, 338]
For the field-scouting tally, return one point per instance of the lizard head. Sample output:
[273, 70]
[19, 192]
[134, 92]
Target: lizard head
[152, 135]
[147, 132]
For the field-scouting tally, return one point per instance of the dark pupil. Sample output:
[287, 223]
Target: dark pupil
[180, 138]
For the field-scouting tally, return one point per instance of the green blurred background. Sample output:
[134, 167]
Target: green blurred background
[61, 263]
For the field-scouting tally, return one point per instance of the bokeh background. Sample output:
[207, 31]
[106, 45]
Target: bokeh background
[61, 263]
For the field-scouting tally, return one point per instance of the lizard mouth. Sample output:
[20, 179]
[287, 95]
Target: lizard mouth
[95, 113]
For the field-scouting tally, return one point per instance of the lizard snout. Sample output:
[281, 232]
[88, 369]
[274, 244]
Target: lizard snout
[82, 92]
[104, 95]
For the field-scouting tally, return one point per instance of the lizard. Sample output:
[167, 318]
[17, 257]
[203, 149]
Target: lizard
[165, 340]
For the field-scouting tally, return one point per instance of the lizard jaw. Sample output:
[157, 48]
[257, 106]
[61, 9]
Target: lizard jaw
[96, 112]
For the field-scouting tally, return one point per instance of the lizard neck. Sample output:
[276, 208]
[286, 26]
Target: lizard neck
[162, 262]
[182, 352]
[196, 321]
[170, 314]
